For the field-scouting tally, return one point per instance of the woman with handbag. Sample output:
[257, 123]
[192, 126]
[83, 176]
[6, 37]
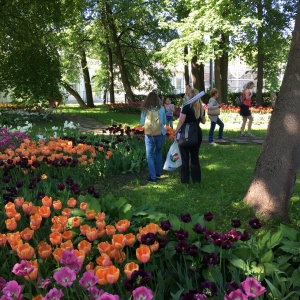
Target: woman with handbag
[191, 113]
[213, 114]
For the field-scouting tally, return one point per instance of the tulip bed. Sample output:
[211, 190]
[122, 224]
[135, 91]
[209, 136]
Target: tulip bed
[61, 239]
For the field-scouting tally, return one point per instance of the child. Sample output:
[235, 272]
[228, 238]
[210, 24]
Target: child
[214, 120]
[169, 107]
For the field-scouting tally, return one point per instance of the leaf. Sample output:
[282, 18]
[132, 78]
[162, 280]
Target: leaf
[289, 232]
[274, 239]
[291, 247]
[262, 241]
[267, 257]
[275, 292]
[94, 204]
[239, 263]
[296, 278]
[175, 222]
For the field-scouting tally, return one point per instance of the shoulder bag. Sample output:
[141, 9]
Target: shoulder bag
[213, 112]
[188, 135]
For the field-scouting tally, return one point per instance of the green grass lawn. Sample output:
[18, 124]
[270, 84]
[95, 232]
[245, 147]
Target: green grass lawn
[226, 174]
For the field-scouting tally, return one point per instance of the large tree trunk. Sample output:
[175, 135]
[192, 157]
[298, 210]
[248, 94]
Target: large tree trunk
[110, 74]
[217, 85]
[198, 75]
[117, 49]
[260, 56]
[75, 95]
[224, 69]
[186, 68]
[87, 79]
[276, 168]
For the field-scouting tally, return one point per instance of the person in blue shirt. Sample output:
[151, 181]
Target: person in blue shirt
[154, 143]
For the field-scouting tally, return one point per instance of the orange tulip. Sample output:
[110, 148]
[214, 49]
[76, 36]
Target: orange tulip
[109, 153]
[63, 220]
[101, 273]
[83, 206]
[27, 207]
[14, 244]
[17, 216]
[57, 204]
[55, 238]
[67, 235]
[68, 245]
[112, 274]
[57, 253]
[101, 232]
[89, 266]
[11, 224]
[80, 255]
[85, 246]
[154, 247]
[57, 228]
[34, 273]
[25, 251]
[119, 257]
[104, 260]
[45, 211]
[76, 222]
[122, 225]
[90, 214]
[118, 241]
[38, 297]
[143, 253]
[110, 230]
[92, 234]
[35, 221]
[151, 227]
[19, 201]
[100, 224]
[130, 239]
[44, 250]
[3, 239]
[84, 228]
[67, 212]
[26, 234]
[47, 201]
[100, 216]
[104, 247]
[129, 268]
[72, 202]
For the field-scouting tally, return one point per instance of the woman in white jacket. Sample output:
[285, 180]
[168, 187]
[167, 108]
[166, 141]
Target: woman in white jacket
[214, 120]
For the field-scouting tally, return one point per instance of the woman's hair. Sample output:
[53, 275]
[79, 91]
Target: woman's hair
[213, 92]
[152, 100]
[197, 105]
[248, 85]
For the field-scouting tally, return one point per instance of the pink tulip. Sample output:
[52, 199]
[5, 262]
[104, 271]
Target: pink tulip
[252, 287]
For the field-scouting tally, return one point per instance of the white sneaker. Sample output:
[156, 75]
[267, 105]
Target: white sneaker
[212, 143]
[221, 140]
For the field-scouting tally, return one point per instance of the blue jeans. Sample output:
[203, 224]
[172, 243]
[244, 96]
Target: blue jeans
[154, 145]
[212, 129]
[170, 121]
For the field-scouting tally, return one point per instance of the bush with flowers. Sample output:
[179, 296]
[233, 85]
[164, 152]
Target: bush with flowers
[60, 239]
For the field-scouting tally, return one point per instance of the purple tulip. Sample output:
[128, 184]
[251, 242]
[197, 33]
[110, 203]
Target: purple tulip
[208, 216]
[65, 276]
[142, 293]
[252, 287]
[236, 223]
[88, 280]
[22, 269]
[255, 223]
[185, 218]
[199, 229]
[12, 290]
[165, 225]
[54, 294]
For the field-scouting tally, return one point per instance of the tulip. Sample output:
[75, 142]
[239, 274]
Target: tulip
[118, 241]
[11, 224]
[34, 273]
[57, 204]
[47, 201]
[122, 225]
[143, 253]
[85, 246]
[110, 230]
[129, 268]
[44, 250]
[26, 234]
[25, 251]
[55, 238]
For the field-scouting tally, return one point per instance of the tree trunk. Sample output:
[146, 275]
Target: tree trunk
[186, 68]
[75, 95]
[218, 85]
[198, 75]
[224, 69]
[272, 184]
[110, 74]
[117, 49]
[87, 80]
[260, 56]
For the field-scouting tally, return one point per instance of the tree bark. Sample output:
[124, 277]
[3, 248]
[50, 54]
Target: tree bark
[273, 181]
[260, 56]
[217, 85]
[117, 49]
[186, 68]
[198, 75]
[87, 80]
[224, 70]
[75, 95]
[110, 74]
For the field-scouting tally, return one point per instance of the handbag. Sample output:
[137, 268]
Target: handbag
[214, 112]
[173, 160]
[188, 135]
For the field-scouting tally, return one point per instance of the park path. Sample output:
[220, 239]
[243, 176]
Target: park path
[93, 126]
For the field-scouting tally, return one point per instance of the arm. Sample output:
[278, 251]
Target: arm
[172, 107]
[213, 103]
[143, 117]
